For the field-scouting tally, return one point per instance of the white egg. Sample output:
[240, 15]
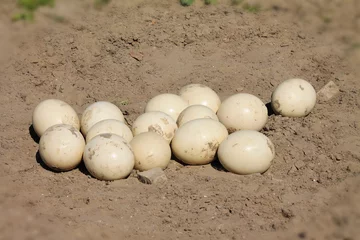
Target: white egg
[196, 142]
[97, 112]
[158, 122]
[246, 152]
[51, 112]
[110, 126]
[196, 94]
[243, 111]
[195, 112]
[150, 151]
[293, 98]
[168, 103]
[61, 147]
[108, 157]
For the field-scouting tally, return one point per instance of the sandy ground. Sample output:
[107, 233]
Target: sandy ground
[133, 50]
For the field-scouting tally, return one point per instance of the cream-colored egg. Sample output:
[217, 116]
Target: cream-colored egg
[243, 111]
[61, 147]
[246, 152]
[51, 112]
[97, 112]
[196, 142]
[158, 122]
[168, 103]
[293, 98]
[150, 151]
[196, 94]
[109, 157]
[195, 112]
[110, 126]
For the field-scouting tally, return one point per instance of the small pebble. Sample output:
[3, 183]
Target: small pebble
[152, 176]
[299, 164]
[327, 92]
[301, 35]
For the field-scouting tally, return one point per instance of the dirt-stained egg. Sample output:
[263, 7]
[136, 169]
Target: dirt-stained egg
[51, 112]
[293, 98]
[61, 147]
[150, 151]
[97, 112]
[243, 111]
[168, 103]
[196, 142]
[246, 152]
[195, 112]
[158, 122]
[110, 126]
[109, 157]
[201, 94]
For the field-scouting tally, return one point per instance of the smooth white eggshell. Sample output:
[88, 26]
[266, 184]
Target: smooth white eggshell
[293, 98]
[168, 103]
[243, 111]
[196, 142]
[158, 122]
[195, 112]
[51, 112]
[108, 157]
[150, 151]
[97, 112]
[61, 147]
[246, 152]
[196, 94]
[110, 126]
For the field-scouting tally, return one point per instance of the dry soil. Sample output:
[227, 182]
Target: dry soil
[130, 51]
